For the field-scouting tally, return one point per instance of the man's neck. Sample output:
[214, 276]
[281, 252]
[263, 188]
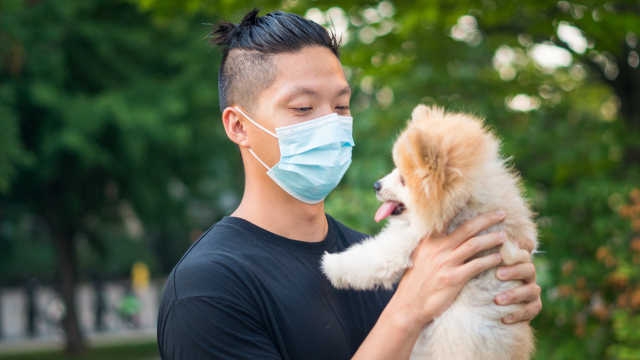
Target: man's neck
[278, 212]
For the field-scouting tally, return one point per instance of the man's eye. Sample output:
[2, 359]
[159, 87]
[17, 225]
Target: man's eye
[304, 109]
[342, 107]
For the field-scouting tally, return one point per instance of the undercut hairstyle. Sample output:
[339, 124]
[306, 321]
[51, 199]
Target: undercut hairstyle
[248, 66]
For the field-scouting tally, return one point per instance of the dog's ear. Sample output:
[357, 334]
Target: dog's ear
[425, 113]
[428, 157]
[420, 112]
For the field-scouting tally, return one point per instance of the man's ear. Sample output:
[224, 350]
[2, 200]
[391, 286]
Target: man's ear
[235, 128]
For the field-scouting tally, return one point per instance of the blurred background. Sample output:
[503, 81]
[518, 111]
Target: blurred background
[113, 159]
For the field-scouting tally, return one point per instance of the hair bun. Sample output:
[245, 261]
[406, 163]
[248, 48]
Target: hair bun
[251, 17]
[225, 31]
[222, 33]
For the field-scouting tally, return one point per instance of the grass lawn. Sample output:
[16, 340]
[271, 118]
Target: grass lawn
[147, 351]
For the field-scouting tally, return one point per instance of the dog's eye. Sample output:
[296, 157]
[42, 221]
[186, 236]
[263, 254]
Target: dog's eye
[402, 180]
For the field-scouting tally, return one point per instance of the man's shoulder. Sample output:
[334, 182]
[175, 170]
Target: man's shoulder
[213, 266]
[350, 235]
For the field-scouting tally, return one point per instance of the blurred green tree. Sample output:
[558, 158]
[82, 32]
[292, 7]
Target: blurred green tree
[559, 81]
[108, 125]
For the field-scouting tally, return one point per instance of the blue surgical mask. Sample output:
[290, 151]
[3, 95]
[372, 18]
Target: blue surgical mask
[314, 155]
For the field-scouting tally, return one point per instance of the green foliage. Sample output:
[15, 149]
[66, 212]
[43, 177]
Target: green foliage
[627, 331]
[118, 107]
[11, 150]
[118, 118]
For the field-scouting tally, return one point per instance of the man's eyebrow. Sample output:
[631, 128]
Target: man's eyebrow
[346, 90]
[297, 91]
[301, 90]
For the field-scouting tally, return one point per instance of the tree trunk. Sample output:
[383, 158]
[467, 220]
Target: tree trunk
[627, 88]
[31, 290]
[67, 259]
[100, 304]
[1, 319]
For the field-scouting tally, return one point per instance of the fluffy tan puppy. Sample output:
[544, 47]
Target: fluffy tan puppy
[449, 170]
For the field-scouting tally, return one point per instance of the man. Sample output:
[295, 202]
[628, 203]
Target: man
[251, 287]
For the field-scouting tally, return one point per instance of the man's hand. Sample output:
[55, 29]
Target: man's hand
[439, 272]
[528, 293]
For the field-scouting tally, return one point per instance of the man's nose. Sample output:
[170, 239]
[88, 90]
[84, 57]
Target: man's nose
[377, 186]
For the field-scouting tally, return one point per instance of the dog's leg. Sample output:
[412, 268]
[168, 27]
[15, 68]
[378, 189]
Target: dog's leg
[378, 261]
[512, 254]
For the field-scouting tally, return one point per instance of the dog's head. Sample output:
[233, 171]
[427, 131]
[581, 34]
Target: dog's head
[439, 160]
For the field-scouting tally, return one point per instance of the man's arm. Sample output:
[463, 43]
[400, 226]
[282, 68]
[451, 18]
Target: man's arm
[430, 286]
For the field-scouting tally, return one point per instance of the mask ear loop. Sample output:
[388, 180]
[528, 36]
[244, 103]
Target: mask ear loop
[256, 156]
[258, 125]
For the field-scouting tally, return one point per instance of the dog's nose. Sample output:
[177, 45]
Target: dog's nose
[377, 186]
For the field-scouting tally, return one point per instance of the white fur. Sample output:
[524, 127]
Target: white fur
[380, 260]
[471, 328]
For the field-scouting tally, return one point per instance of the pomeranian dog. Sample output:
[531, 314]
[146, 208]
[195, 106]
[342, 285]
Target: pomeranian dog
[448, 170]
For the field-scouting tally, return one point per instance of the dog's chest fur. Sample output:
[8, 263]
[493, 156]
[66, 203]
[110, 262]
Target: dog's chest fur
[453, 155]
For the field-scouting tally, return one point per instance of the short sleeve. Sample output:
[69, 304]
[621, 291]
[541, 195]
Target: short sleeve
[210, 328]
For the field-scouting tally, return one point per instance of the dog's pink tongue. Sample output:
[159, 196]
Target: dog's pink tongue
[385, 210]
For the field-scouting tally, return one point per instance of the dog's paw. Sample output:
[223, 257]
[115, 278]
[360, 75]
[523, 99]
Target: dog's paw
[388, 283]
[331, 267]
[346, 272]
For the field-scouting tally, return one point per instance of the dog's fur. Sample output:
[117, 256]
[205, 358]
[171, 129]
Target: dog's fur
[448, 169]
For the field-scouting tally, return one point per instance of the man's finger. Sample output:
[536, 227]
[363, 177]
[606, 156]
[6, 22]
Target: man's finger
[523, 271]
[528, 312]
[472, 227]
[476, 266]
[477, 244]
[525, 293]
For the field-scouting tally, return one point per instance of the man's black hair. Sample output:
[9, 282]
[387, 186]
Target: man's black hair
[247, 65]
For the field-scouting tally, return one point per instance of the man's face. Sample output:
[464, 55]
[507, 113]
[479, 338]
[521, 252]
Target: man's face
[310, 84]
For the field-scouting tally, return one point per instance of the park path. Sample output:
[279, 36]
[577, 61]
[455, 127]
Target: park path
[17, 317]
[94, 340]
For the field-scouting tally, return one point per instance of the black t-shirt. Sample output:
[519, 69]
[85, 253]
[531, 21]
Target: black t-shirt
[242, 292]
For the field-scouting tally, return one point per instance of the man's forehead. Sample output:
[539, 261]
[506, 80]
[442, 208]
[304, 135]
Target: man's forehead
[312, 72]
[310, 62]
[311, 91]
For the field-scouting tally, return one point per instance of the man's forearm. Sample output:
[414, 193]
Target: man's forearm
[428, 288]
[392, 337]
